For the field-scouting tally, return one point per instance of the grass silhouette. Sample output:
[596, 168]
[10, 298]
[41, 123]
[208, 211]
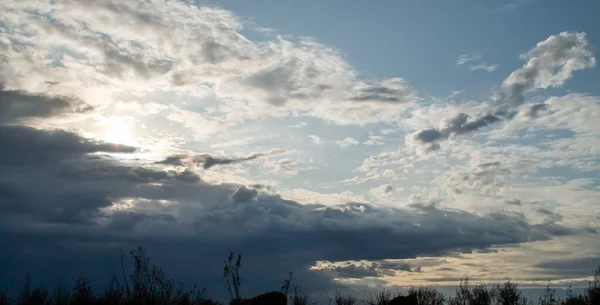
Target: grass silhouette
[147, 284]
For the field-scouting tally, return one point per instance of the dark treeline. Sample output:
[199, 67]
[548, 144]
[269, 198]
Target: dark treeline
[147, 284]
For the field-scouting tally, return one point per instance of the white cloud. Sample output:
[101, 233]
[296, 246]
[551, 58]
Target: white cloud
[374, 140]
[316, 139]
[549, 64]
[347, 142]
[477, 63]
[384, 191]
[184, 48]
[483, 66]
[283, 166]
[552, 61]
[466, 58]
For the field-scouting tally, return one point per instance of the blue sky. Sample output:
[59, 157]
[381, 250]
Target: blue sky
[386, 144]
[420, 41]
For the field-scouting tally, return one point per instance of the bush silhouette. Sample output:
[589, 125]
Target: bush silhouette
[147, 284]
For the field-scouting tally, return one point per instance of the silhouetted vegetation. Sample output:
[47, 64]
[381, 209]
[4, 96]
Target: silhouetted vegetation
[147, 284]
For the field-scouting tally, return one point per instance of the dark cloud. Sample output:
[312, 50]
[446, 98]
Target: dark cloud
[372, 269]
[394, 90]
[68, 204]
[355, 271]
[456, 125]
[486, 250]
[388, 188]
[552, 216]
[576, 267]
[85, 206]
[207, 161]
[176, 160]
[517, 202]
[535, 110]
[17, 104]
[446, 269]
[397, 266]
[243, 194]
[23, 144]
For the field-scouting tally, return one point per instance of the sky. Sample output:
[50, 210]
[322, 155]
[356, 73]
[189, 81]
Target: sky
[356, 144]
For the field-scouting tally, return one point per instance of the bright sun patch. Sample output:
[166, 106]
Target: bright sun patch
[118, 132]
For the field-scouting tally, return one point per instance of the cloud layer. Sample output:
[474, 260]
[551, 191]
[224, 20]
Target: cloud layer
[277, 148]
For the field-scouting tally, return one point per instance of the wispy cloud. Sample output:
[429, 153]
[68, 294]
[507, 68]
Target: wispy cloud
[347, 142]
[466, 58]
[476, 62]
[513, 5]
[488, 68]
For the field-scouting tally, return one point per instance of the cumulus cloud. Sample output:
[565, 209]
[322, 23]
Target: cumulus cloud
[549, 64]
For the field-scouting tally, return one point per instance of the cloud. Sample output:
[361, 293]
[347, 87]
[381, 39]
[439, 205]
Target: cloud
[374, 140]
[549, 64]
[488, 177]
[243, 194]
[88, 203]
[466, 58]
[359, 270]
[516, 202]
[283, 166]
[383, 191]
[113, 204]
[347, 142]
[573, 267]
[350, 270]
[92, 198]
[457, 125]
[476, 57]
[513, 5]
[176, 46]
[483, 66]
[207, 161]
[316, 139]
[27, 142]
[18, 104]
[393, 90]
